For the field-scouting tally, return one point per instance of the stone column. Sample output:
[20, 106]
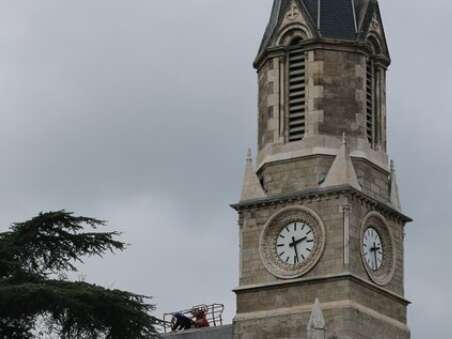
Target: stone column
[346, 210]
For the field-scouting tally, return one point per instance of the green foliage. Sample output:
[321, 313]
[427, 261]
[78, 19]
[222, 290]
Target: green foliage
[34, 258]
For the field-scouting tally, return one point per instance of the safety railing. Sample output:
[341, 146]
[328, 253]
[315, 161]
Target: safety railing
[213, 312]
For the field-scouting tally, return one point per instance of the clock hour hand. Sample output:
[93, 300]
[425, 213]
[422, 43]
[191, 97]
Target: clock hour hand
[294, 242]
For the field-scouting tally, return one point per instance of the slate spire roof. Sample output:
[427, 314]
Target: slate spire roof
[334, 19]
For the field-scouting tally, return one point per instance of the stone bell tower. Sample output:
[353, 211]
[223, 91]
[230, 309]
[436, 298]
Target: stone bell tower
[320, 216]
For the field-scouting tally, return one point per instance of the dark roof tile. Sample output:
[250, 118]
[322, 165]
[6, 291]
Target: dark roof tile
[338, 19]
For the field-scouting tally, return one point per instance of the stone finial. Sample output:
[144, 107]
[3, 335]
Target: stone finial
[316, 324]
[394, 193]
[249, 155]
[252, 188]
[342, 172]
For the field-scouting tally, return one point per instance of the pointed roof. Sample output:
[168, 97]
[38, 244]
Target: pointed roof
[316, 324]
[342, 172]
[365, 11]
[335, 19]
[252, 188]
[366, 16]
[394, 194]
[279, 8]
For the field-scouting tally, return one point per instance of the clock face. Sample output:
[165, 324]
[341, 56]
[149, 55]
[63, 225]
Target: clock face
[373, 249]
[295, 243]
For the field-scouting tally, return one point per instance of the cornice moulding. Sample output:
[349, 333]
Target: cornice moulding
[315, 193]
[340, 276]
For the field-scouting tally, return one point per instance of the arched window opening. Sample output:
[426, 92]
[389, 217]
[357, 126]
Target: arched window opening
[296, 41]
[372, 116]
[370, 101]
[292, 36]
[374, 44]
[296, 90]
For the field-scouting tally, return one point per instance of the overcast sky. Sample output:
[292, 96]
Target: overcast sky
[140, 112]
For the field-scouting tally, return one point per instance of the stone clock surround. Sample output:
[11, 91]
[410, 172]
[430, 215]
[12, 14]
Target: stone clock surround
[270, 232]
[385, 274]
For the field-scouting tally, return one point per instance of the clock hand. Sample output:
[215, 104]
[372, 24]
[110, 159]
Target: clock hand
[372, 261]
[375, 256]
[294, 243]
[301, 240]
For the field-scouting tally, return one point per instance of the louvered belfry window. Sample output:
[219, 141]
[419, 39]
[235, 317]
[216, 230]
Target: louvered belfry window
[370, 102]
[297, 94]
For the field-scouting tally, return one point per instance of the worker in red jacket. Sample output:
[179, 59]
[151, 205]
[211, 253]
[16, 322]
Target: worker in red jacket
[200, 318]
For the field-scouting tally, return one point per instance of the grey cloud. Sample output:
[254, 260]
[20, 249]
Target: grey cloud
[140, 112]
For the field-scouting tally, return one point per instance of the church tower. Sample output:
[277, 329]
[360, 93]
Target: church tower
[320, 216]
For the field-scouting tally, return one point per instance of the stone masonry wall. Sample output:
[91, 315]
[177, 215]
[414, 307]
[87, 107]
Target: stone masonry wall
[330, 210]
[326, 280]
[343, 322]
[373, 180]
[359, 211]
[336, 96]
[297, 295]
[268, 103]
[298, 174]
[253, 221]
[343, 103]
[295, 175]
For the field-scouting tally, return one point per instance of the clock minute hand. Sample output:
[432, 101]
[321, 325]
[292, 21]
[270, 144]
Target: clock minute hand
[294, 245]
[374, 249]
[376, 260]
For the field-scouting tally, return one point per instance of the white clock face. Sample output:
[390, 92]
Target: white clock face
[295, 243]
[373, 249]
